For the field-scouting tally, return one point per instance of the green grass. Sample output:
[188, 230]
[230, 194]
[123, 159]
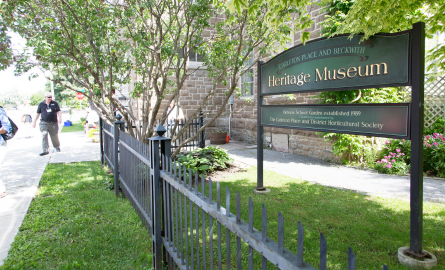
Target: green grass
[373, 227]
[77, 126]
[75, 223]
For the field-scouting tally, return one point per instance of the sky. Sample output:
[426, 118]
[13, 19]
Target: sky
[20, 83]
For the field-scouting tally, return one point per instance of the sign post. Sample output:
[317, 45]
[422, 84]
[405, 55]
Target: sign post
[340, 63]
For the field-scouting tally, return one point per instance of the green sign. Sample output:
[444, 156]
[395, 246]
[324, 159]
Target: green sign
[383, 120]
[338, 63]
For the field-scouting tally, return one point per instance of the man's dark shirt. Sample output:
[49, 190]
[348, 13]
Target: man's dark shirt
[48, 113]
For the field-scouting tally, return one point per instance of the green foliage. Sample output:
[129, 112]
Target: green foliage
[400, 151]
[36, 98]
[336, 12]
[437, 127]
[434, 154]
[205, 160]
[374, 16]
[394, 162]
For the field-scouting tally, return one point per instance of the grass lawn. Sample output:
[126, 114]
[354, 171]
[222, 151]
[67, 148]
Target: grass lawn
[373, 227]
[75, 223]
[77, 126]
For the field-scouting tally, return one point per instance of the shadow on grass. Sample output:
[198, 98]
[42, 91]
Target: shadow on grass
[74, 223]
[373, 227]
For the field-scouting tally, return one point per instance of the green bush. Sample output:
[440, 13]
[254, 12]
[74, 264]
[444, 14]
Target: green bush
[205, 160]
[434, 154]
[395, 157]
[437, 127]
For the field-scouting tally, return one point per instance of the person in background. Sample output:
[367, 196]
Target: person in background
[5, 128]
[51, 117]
[27, 119]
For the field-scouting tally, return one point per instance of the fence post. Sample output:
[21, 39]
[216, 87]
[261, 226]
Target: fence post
[101, 140]
[158, 145]
[202, 139]
[116, 154]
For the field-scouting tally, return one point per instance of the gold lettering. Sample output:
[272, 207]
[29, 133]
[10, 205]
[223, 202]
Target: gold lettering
[320, 76]
[293, 80]
[288, 79]
[273, 78]
[282, 80]
[307, 76]
[300, 79]
[277, 81]
[334, 76]
[352, 70]
[341, 73]
[378, 68]
[360, 71]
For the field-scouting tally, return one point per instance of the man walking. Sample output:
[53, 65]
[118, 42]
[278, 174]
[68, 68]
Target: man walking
[51, 117]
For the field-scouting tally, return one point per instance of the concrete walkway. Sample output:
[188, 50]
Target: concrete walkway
[22, 169]
[368, 182]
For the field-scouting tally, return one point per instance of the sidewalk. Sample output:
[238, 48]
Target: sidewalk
[22, 169]
[368, 182]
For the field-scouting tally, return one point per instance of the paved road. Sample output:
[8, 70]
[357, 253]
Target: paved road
[367, 182]
[23, 168]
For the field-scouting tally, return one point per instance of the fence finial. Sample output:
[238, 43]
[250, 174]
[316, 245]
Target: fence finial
[160, 130]
[118, 117]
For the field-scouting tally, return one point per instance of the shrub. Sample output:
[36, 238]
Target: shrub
[205, 160]
[393, 163]
[437, 127]
[396, 156]
[434, 154]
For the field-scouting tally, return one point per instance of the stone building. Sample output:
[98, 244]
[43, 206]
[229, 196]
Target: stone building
[241, 117]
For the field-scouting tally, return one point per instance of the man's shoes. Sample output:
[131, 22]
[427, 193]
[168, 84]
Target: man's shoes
[44, 153]
[58, 149]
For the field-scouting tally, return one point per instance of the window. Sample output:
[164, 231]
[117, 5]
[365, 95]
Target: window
[195, 59]
[247, 78]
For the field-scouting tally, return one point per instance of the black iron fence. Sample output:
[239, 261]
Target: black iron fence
[192, 130]
[180, 212]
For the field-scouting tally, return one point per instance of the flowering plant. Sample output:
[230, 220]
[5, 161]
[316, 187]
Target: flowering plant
[393, 163]
[434, 154]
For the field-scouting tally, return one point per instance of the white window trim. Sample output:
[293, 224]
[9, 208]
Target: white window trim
[253, 83]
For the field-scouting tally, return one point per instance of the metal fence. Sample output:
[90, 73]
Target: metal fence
[192, 130]
[180, 212]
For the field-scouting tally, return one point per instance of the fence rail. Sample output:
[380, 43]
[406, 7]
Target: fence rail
[172, 203]
[192, 130]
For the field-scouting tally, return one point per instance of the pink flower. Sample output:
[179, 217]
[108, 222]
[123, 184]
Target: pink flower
[393, 154]
[378, 162]
[389, 166]
[427, 137]
[384, 160]
[393, 160]
[386, 142]
[403, 154]
[398, 156]
[435, 143]
[398, 150]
